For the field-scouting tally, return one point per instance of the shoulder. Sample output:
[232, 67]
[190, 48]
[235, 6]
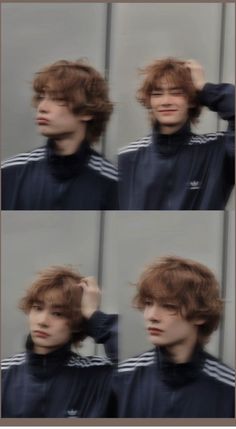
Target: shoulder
[24, 158]
[79, 361]
[136, 145]
[142, 360]
[218, 370]
[202, 139]
[15, 360]
[101, 165]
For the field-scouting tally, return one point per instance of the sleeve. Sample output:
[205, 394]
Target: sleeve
[111, 199]
[124, 169]
[220, 98]
[8, 185]
[103, 328]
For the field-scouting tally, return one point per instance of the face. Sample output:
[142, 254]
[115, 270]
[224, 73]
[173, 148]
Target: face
[54, 118]
[49, 327]
[169, 105]
[165, 325]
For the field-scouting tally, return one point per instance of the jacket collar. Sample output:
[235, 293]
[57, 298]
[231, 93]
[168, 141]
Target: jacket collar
[45, 366]
[67, 166]
[168, 144]
[179, 374]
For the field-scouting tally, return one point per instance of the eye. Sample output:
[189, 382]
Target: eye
[59, 100]
[37, 307]
[156, 93]
[170, 307]
[39, 96]
[58, 314]
[148, 301]
[177, 91]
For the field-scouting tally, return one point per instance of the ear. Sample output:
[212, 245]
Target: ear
[86, 118]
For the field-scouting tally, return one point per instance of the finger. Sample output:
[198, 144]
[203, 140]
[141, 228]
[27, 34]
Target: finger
[82, 284]
[91, 281]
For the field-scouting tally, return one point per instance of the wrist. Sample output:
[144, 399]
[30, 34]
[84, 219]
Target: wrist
[200, 85]
[88, 313]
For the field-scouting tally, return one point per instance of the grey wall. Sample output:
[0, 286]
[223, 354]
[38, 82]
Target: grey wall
[33, 240]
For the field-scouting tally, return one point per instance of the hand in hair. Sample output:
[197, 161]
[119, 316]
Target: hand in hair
[91, 296]
[197, 73]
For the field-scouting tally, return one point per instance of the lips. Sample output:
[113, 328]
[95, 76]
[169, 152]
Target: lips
[41, 334]
[154, 331]
[166, 112]
[42, 121]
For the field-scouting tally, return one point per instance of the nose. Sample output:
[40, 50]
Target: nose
[43, 318]
[166, 99]
[44, 105]
[152, 313]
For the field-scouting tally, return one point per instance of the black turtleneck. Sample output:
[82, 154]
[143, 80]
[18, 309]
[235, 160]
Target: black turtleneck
[47, 365]
[168, 144]
[179, 374]
[67, 166]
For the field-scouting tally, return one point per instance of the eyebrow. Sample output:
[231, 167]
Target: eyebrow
[159, 88]
[54, 306]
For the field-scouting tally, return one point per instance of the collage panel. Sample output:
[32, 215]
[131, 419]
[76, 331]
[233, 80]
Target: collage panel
[59, 329]
[170, 278]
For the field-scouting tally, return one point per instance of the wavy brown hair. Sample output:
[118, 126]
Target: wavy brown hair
[82, 87]
[65, 280]
[189, 285]
[175, 72]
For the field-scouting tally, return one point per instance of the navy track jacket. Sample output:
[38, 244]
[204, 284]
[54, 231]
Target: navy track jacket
[149, 385]
[182, 171]
[43, 180]
[61, 383]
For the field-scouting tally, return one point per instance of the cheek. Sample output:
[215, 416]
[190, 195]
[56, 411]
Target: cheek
[184, 105]
[65, 330]
[153, 103]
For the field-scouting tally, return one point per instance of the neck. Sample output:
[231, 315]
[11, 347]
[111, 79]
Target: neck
[68, 144]
[44, 350]
[170, 129]
[182, 352]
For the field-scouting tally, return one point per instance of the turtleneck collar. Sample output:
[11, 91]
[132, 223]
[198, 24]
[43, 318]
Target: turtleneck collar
[168, 144]
[67, 166]
[178, 374]
[46, 365]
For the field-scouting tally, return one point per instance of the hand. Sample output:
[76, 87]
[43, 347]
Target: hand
[197, 74]
[91, 296]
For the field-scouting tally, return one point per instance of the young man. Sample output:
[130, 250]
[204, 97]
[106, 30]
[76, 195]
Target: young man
[173, 168]
[72, 109]
[181, 308]
[49, 379]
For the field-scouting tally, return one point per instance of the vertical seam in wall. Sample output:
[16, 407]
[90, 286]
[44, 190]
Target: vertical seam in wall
[107, 58]
[102, 217]
[224, 257]
[221, 50]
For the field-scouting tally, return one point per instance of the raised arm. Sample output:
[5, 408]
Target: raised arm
[102, 327]
[217, 97]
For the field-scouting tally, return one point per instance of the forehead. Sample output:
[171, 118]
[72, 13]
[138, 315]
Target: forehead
[168, 82]
[160, 292]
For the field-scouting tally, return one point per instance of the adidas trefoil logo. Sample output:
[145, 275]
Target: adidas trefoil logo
[195, 184]
[72, 413]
